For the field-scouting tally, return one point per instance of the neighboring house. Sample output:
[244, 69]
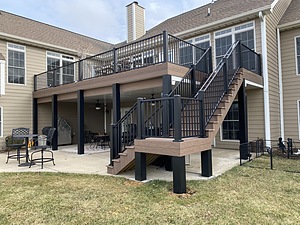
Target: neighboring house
[151, 65]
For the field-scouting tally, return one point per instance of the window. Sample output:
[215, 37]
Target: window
[190, 55]
[225, 38]
[2, 76]
[16, 64]
[1, 121]
[64, 75]
[298, 55]
[230, 126]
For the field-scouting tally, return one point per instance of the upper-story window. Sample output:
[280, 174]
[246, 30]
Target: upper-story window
[298, 55]
[225, 38]
[65, 74]
[1, 121]
[189, 55]
[16, 64]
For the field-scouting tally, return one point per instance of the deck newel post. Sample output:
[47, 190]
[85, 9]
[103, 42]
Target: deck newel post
[80, 121]
[116, 117]
[201, 114]
[193, 80]
[165, 46]
[177, 119]
[115, 60]
[80, 70]
[243, 121]
[179, 175]
[240, 54]
[35, 82]
[54, 122]
[225, 77]
[35, 116]
[140, 158]
[206, 163]
[54, 78]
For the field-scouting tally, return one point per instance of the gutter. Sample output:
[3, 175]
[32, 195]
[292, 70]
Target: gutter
[266, 78]
[280, 85]
[289, 25]
[265, 9]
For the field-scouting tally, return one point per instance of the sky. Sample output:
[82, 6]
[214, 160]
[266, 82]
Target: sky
[101, 19]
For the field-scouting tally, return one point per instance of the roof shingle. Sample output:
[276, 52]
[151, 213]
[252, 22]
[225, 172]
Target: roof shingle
[292, 13]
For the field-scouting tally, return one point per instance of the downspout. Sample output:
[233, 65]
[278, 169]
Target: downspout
[133, 22]
[280, 85]
[266, 78]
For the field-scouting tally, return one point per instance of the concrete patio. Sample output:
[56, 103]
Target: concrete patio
[94, 161]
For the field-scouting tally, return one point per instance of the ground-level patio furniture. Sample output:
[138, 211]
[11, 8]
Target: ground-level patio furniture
[16, 143]
[42, 148]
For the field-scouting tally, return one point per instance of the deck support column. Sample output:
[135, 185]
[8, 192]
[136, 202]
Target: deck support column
[243, 122]
[140, 166]
[80, 121]
[35, 116]
[179, 175]
[54, 122]
[206, 163]
[116, 144]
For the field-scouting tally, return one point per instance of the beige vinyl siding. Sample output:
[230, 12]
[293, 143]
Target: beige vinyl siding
[17, 101]
[290, 82]
[140, 27]
[272, 51]
[130, 22]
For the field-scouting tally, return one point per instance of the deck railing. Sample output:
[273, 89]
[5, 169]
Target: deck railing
[150, 51]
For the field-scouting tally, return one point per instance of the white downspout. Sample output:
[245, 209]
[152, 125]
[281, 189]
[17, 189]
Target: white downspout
[280, 86]
[133, 22]
[266, 79]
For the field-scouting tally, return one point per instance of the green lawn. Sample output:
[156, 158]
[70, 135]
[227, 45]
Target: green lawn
[250, 194]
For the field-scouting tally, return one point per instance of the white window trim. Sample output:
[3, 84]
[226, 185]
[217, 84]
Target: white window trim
[20, 50]
[296, 56]
[1, 119]
[232, 33]
[298, 109]
[2, 77]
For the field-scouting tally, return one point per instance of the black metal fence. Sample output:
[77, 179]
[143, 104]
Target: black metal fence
[154, 50]
[274, 149]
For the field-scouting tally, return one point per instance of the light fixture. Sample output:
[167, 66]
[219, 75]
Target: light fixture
[97, 106]
[152, 102]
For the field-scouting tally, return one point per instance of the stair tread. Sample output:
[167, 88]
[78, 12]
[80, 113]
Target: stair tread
[116, 160]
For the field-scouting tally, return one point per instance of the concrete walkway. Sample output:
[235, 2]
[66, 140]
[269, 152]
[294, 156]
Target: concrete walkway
[94, 161]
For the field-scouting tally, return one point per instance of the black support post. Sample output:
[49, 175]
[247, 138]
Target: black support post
[80, 121]
[116, 103]
[179, 175]
[206, 163]
[116, 133]
[54, 122]
[243, 122]
[140, 166]
[35, 116]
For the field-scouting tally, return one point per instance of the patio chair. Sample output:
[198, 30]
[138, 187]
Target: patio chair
[44, 148]
[16, 143]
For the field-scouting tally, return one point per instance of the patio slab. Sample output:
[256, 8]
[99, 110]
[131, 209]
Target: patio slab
[94, 161]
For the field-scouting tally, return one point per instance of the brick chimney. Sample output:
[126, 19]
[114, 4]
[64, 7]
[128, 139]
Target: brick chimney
[135, 21]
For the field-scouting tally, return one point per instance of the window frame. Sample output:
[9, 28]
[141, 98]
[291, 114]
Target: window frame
[232, 31]
[1, 121]
[7, 64]
[221, 128]
[297, 62]
[61, 57]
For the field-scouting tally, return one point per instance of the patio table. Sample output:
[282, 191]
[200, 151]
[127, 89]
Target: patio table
[26, 136]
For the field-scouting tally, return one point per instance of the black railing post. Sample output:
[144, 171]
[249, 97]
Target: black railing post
[115, 60]
[210, 61]
[201, 114]
[166, 117]
[240, 56]
[193, 81]
[140, 118]
[80, 70]
[35, 82]
[54, 79]
[165, 46]
[225, 77]
[177, 118]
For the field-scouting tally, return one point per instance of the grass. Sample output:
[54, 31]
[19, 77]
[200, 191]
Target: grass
[249, 194]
